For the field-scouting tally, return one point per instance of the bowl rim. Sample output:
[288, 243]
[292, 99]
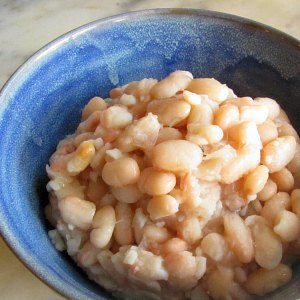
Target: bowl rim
[33, 265]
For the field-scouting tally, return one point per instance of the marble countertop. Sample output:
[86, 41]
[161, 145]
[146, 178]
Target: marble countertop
[27, 25]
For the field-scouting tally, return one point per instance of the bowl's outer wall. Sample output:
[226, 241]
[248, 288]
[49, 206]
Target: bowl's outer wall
[43, 101]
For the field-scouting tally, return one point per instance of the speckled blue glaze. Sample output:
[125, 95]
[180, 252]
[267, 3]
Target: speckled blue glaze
[42, 102]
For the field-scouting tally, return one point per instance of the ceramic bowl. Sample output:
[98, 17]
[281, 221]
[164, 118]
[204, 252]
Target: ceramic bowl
[42, 101]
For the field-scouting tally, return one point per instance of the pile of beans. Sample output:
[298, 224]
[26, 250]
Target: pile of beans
[179, 189]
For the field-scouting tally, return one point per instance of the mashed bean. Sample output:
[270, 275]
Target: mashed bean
[177, 189]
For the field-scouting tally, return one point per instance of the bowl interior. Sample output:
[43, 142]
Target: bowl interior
[43, 101]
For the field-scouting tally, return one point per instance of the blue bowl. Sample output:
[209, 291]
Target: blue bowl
[41, 103]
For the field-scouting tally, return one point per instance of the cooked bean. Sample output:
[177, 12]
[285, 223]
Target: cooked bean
[284, 180]
[120, 172]
[140, 89]
[253, 219]
[155, 234]
[95, 104]
[204, 134]
[255, 113]
[87, 255]
[248, 101]
[83, 137]
[264, 281]
[287, 129]
[294, 165]
[210, 87]
[77, 212]
[267, 132]
[170, 112]
[201, 114]
[190, 230]
[247, 159]
[156, 182]
[182, 268]
[287, 226]
[245, 133]
[116, 117]
[123, 232]
[138, 223]
[168, 87]
[96, 190]
[274, 205]
[191, 98]
[162, 206]
[278, 153]
[142, 134]
[186, 157]
[127, 194]
[168, 133]
[268, 191]
[90, 124]
[210, 169]
[220, 282]
[128, 100]
[272, 105]
[215, 246]
[256, 180]
[268, 248]
[173, 245]
[112, 154]
[227, 116]
[295, 200]
[81, 158]
[139, 110]
[239, 237]
[103, 226]
[282, 118]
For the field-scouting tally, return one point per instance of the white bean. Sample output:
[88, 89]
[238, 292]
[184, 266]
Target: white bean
[227, 116]
[272, 105]
[278, 153]
[247, 159]
[274, 205]
[239, 237]
[121, 172]
[127, 194]
[262, 281]
[103, 226]
[287, 226]
[169, 86]
[123, 232]
[201, 114]
[210, 87]
[116, 117]
[267, 132]
[186, 157]
[77, 212]
[268, 247]
[254, 113]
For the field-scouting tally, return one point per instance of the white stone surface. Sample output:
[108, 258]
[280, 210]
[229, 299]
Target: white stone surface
[27, 25]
